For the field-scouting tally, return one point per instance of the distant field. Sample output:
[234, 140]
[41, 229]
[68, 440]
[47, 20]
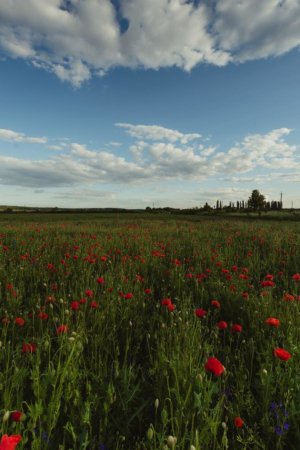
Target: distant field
[144, 331]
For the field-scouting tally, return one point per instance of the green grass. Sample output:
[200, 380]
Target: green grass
[128, 373]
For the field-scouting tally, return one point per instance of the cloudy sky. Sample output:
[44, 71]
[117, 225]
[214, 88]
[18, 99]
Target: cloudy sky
[126, 103]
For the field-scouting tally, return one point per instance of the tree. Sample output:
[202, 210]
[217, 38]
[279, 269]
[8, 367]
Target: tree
[256, 201]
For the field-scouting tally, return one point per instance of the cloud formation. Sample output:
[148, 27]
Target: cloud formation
[75, 39]
[163, 155]
[14, 136]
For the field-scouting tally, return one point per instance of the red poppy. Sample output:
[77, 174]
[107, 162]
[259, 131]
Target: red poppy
[200, 312]
[148, 291]
[94, 305]
[267, 283]
[236, 328]
[222, 325]
[89, 293]
[171, 307]
[128, 296]
[238, 422]
[19, 321]
[288, 297]
[215, 304]
[296, 277]
[16, 416]
[214, 366]
[100, 280]
[166, 302]
[282, 354]
[269, 277]
[62, 329]
[28, 348]
[273, 322]
[43, 316]
[10, 442]
[75, 305]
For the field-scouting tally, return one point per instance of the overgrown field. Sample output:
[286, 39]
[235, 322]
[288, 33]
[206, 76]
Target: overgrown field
[137, 333]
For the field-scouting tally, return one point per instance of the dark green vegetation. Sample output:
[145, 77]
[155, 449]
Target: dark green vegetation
[111, 354]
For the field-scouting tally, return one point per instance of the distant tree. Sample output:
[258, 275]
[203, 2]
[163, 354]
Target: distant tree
[256, 201]
[207, 207]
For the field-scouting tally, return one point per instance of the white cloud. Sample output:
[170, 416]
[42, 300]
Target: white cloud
[155, 161]
[75, 39]
[157, 133]
[257, 29]
[14, 136]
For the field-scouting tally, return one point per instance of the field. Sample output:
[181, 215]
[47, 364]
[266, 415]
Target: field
[148, 333]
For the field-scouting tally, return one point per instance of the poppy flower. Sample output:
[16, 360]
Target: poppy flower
[273, 321]
[215, 304]
[42, 315]
[128, 296]
[75, 305]
[171, 307]
[19, 321]
[16, 416]
[10, 442]
[166, 302]
[28, 348]
[94, 305]
[62, 329]
[282, 354]
[214, 366]
[238, 422]
[236, 328]
[148, 291]
[200, 312]
[89, 293]
[222, 325]
[267, 283]
[296, 277]
[100, 280]
[288, 297]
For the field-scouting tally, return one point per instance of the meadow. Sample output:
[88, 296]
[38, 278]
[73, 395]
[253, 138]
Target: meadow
[146, 333]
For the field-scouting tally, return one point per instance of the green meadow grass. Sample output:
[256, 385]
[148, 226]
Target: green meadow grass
[127, 372]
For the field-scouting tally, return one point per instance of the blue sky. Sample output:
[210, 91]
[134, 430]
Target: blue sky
[131, 102]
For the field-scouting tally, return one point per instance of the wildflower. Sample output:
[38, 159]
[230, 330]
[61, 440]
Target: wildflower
[10, 442]
[171, 307]
[62, 329]
[288, 297]
[89, 293]
[267, 283]
[94, 305]
[28, 348]
[296, 277]
[200, 312]
[128, 296]
[238, 422]
[282, 354]
[100, 280]
[19, 321]
[214, 366]
[17, 416]
[273, 322]
[236, 328]
[215, 304]
[222, 325]
[43, 316]
[148, 291]
[166, 302]
[75, 305]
